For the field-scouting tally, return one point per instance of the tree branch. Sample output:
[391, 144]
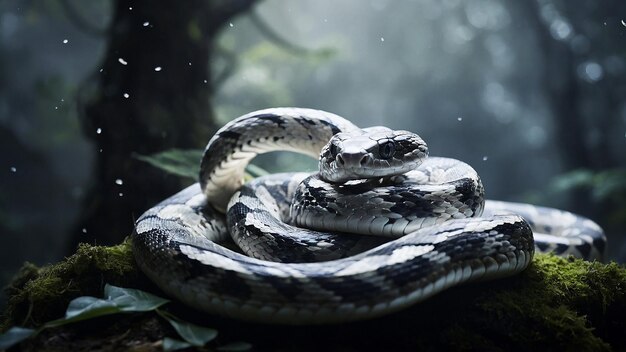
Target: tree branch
[281, 41]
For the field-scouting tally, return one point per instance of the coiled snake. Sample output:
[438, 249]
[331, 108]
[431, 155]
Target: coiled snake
[437, 230]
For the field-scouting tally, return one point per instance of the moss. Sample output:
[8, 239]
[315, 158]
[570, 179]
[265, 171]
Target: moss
[37, 295]
[556, 304]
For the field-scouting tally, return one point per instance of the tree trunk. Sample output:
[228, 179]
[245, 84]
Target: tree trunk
[152, 94]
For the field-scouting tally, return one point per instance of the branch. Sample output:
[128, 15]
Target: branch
[222, 11]
[282, 42]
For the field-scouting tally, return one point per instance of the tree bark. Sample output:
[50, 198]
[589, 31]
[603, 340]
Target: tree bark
[152, 94]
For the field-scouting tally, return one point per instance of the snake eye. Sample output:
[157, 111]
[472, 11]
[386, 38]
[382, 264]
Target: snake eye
[386, 150]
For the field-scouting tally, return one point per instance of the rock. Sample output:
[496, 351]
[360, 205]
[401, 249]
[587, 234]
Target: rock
[556, 304]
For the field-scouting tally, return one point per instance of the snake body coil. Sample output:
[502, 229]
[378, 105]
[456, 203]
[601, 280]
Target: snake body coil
[280, 273]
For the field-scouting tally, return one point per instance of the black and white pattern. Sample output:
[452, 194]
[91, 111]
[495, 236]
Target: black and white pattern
[253, 264]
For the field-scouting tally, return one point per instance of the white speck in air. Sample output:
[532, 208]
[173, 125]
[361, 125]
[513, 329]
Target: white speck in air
[126, 95]
[158, 68]
[13, 169]
[99, 130]
[205, 81]
[84, 230]
[122, 61]
[119, 182]
[146, 24]
[121, 194]
[382, 39]
[485, 158]
[231, 24]
[459, 119]
[65, 41]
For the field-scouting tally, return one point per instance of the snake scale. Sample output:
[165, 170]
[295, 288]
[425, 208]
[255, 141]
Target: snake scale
[286, 248]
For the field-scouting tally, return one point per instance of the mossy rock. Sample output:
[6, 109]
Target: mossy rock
[556, 304]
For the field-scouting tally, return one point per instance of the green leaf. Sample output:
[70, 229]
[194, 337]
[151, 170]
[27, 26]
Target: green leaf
[235, 347]
[170, 344]
[132, 300]
[14, 336]
[117, 300]
[89, 306]
[194, 334]
[180, 162]
[186, 163]
[609, 184]
[573, 179]
[255, 171]
[85, 307]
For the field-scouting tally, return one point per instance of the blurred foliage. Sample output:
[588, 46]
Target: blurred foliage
[606, 186]
[267, 72]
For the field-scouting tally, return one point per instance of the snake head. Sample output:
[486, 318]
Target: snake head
[371, 153]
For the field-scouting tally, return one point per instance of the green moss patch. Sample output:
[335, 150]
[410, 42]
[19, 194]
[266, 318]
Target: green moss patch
[37, 295]
[556, 304]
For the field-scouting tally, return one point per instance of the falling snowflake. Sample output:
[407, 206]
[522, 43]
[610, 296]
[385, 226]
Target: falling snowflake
[485, 158]
[13, 169]
[158, 68]
[65, 41]
[146, 24]
[122, 61]
[119, 182]
[99, 130]
[126, 95]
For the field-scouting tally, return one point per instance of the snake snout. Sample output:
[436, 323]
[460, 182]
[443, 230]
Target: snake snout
[352, 159]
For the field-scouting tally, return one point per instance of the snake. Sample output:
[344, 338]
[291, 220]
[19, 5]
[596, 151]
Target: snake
[381, 225]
